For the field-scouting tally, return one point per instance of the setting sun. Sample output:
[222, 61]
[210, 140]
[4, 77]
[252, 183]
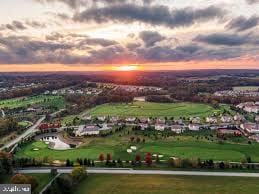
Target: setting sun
[127, 68]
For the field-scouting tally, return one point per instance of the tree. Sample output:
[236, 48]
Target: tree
[137, 158]
[148, 159]
[108, 157]
[101, 158]
[24, 179]
[78, 173]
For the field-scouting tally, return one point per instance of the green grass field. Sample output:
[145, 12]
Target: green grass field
[43, 179]
[117, 144]
[24, 102]
[148, 109]
[162, 184]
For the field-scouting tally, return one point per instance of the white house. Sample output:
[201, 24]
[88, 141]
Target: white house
[211, 120]
[250, 127]
[194, 127]
[101, 118]
[251, 109]
[239, 117]
[130, 119]
[196, 120]
[159, 127]
[177, 128]
[226, 119]
[87, 130]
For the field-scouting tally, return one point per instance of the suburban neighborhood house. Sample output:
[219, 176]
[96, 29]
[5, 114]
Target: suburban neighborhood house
[251, 128]
[90, 129]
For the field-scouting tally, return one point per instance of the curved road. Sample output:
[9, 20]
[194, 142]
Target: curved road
[140, 172]
[30, 130]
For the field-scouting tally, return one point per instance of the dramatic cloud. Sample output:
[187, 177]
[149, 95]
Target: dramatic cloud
[150, 38]
[81, 49]
[154, 15]
[228, 39]
[90, 3]
[14, 26]
[241, 23]
[18, 25]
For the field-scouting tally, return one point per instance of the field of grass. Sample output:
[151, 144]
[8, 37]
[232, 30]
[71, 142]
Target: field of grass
[163, 184]
[148, 109]
[43, 179]
[24, 102]
[25, 124]
[180, 146]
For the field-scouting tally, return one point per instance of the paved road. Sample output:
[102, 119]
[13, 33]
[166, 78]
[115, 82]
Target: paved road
[143, 172]
[30, 130]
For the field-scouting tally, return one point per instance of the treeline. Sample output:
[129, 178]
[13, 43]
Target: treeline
[9, 125]
[67, 183]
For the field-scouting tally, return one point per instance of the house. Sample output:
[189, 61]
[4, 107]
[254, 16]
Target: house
[150, 121]
[79, 92]
[226, 119]
[250, 127]
[130, 119]
[160, 121]
[47, 92]
[88, 118]
[87, 130]
[177, 128]
[54, 92]
[143, 120]
[251, 109]
[239, 117]
[143, 126]
[159, 127]
[194, 127]
[101, 118]
[257, 119]
[229, 132]
[114, 119]
[211, 120]
[196, 120]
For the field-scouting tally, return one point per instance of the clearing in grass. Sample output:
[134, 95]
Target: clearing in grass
[148, 109]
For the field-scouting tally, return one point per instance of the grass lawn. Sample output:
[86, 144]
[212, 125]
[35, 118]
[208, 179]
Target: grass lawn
[116, 145]
[148, 109]
[163, 184]
[43, 179]
[46, 101]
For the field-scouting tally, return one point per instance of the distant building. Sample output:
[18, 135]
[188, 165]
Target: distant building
[87, 130]
[211, 120]
[159, 127]
[101, 118]
[250, 127]
[91, 129]
[229, 132]
[194, 127]
[239, 117]
[226, 119]
[130, 119]
[177, 128]
[195, 120]
[251, 109]
[160, 121]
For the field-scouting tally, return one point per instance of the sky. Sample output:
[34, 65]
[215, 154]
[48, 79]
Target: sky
[99, 35]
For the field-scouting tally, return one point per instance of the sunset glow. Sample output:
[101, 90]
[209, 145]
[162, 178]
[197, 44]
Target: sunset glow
[127, 68]
[103, 35]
